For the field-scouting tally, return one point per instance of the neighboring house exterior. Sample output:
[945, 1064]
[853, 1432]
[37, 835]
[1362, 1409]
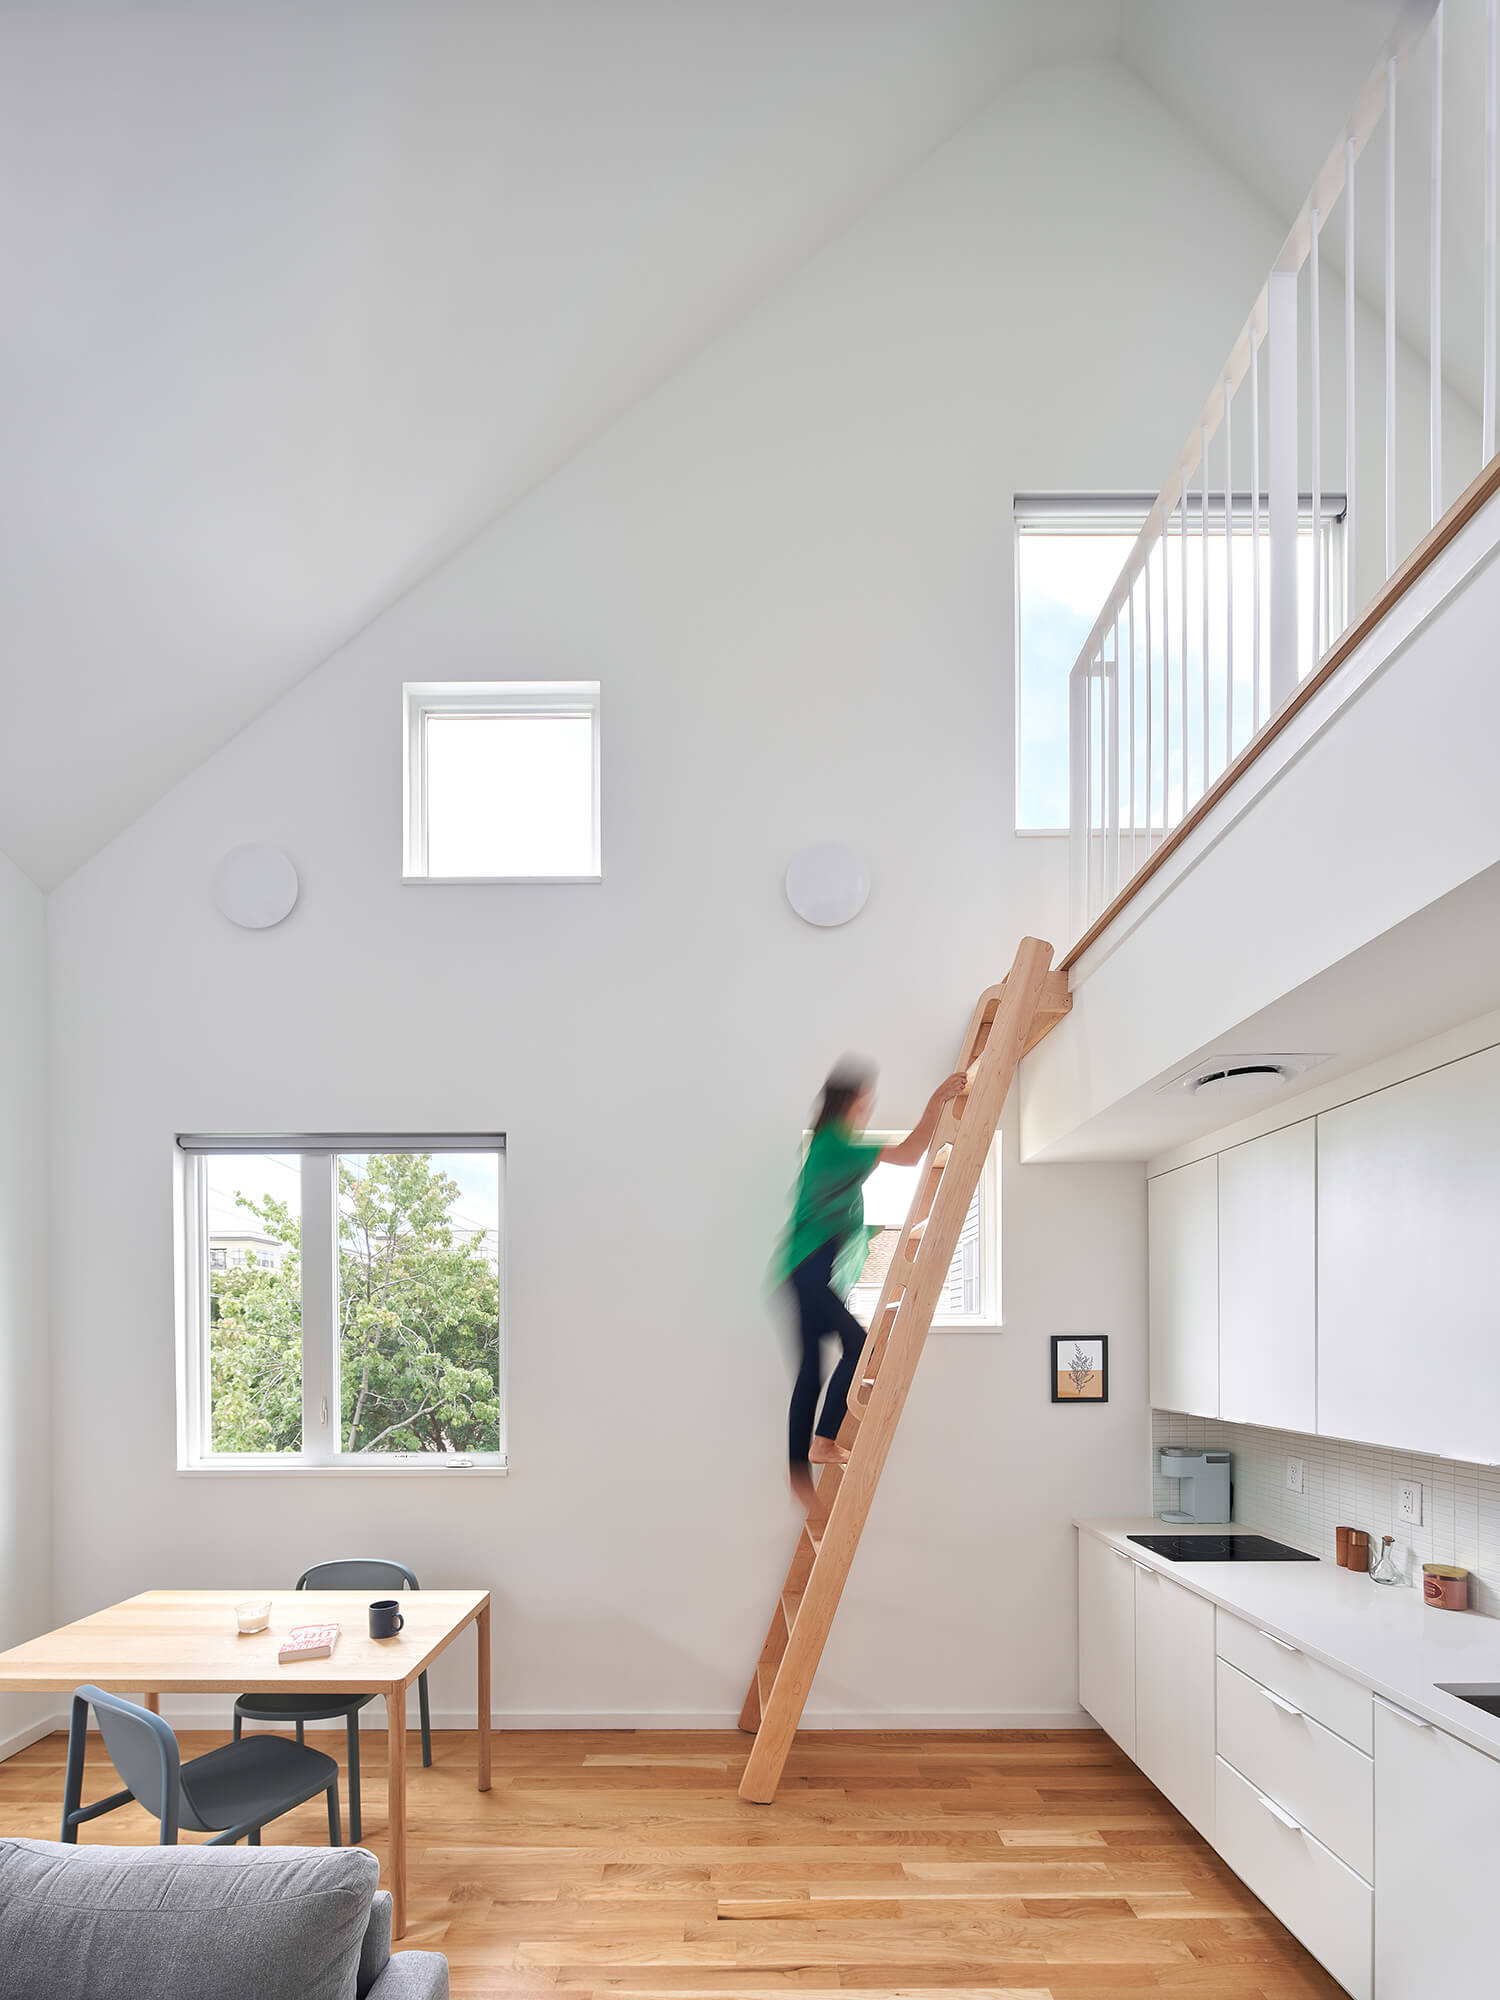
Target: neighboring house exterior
[236, 1249]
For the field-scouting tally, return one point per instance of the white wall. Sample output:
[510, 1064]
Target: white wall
[791, 571]
[25, 1474]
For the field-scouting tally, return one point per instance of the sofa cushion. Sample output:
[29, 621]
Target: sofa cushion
[181, 1923]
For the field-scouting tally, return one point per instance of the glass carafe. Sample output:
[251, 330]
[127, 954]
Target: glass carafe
[1383, 1569]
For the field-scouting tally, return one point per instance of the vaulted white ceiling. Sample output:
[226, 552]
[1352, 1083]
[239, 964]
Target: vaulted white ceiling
[299, 295]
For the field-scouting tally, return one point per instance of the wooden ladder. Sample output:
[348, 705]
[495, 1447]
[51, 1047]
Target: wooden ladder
[1009, 1019]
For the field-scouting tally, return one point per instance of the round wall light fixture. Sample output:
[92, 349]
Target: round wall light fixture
[827, 884]
[255, 887]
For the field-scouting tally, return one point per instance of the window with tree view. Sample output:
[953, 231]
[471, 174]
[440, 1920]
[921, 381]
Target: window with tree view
[341, 1303]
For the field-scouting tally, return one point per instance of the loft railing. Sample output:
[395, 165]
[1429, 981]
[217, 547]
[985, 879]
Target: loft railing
[1233, 601]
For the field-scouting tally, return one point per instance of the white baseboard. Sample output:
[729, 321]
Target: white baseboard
[33, 1732]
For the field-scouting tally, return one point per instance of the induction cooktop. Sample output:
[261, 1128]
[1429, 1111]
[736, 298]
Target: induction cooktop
[1221, 1549]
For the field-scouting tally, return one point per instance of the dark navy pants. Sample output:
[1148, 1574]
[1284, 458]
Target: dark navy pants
[821, 1315]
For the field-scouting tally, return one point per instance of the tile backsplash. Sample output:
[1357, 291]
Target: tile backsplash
[1353, 1485]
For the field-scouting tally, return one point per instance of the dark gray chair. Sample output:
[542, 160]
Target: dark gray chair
[348, 1573]
[230, 1792]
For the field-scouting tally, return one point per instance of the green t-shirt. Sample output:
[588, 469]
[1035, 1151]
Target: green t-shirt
[829, 1206]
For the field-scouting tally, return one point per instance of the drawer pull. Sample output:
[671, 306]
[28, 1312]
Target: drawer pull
[1285, 1644]
[1276, 1813]
[1120, 1555]
[1286, 1707]
[1145, 1569]
[1415, 1721]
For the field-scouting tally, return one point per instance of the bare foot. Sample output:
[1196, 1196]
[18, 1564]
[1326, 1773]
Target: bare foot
[827, 1451]
[804, 1488]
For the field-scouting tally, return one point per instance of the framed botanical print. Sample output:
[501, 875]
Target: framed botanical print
[1080, 1367]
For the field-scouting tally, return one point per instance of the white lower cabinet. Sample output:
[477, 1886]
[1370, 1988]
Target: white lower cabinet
[1437, 1836]
[1319, 1899]
[1106, 1638]
[1174, 1694]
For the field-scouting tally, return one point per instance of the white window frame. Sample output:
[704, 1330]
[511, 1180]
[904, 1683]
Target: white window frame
[501, 699]
[1125, 514]
[319, 1155]
[989, 1317]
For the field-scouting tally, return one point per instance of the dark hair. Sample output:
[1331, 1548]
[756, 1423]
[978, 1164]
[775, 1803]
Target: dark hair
[847, 1080]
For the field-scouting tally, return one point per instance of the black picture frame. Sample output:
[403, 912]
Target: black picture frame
[1061, 1355]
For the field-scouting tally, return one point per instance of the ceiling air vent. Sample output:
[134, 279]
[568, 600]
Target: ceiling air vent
[1239, 1075]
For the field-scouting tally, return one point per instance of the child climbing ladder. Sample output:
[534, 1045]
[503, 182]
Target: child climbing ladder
[1008, 1020]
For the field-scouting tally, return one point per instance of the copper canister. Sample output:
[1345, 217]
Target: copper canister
[1445, 1586]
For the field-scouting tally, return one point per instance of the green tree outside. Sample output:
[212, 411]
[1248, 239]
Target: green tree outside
[419, 1322]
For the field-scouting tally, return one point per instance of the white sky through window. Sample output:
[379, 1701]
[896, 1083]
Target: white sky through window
[510, 795]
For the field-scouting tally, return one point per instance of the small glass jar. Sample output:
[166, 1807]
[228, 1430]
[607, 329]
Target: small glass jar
[1383, 1569]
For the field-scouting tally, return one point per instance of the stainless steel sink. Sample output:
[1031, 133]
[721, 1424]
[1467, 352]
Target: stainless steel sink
[1479, 1694]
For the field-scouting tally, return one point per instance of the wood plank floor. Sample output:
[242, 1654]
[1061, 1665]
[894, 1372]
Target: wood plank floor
[933, 1866]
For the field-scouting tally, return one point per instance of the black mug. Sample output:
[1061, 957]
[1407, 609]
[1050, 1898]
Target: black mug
[385, 1618]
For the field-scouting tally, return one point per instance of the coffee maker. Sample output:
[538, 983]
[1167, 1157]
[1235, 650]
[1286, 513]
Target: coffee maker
[1205, 1489]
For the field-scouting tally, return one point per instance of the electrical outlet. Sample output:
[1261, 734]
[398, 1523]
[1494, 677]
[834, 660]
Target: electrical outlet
[1294, 1475]
[1409, 1502]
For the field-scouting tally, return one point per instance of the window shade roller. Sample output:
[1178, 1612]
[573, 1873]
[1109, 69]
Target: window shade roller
[341, 1142]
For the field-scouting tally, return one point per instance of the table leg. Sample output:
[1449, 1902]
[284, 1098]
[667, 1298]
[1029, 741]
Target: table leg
[395, 1795]
[153, 1702]
[482, 1630]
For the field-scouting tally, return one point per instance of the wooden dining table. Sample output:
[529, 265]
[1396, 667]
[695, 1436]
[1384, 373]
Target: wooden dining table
[187, 1642]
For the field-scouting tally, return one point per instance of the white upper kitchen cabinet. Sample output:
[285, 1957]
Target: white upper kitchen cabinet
[1182, 1210]
[1268, 1280]
[1437, 1807]
[1409, 1263]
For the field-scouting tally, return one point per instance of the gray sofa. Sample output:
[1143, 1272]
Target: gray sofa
[201, 1923]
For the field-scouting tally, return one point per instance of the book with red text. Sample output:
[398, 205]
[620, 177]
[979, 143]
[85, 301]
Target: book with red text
[308, 1642]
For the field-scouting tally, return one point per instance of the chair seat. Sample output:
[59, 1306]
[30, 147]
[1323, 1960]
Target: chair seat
[254, 1779]
[300, 1707]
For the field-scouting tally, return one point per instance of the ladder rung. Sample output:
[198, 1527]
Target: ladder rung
[914, 1237]
[790, 1599]
[814, 1535]
[941, 1157]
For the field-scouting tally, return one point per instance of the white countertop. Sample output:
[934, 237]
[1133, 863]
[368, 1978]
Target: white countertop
[1384, 1637]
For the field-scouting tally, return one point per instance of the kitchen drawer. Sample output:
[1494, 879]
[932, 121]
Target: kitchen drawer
[1319, 1778]
[1340, 1705]
[1319, 1900]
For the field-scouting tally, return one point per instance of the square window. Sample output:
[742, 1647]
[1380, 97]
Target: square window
[502, 781]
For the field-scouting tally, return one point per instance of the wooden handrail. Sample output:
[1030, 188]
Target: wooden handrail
[1427, 551]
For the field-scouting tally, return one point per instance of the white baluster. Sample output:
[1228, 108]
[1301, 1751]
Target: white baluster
[1166, 686]
[1130, 682]
[1078, 801]
[1281, 444]
[1183, 646]
[1112, 766]
[1203, 447]
[1151, 703]
[1350, 424]
[1490, 85]
[1390, 317]
[1254, 528]
[1435, 273]
[1228, 583]
[1315, 344]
